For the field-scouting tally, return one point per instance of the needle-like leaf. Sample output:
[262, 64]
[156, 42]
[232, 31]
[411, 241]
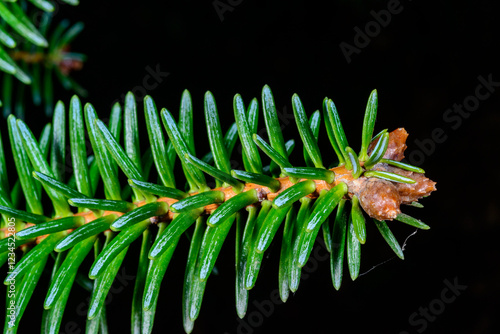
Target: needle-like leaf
[325, 205]
[389, 238]
[85, 231]
[389, 176]
[122, 159]
[34, 256]
[104, 284]
[157, 142]
[24, 291]
[311, 173]
[260, 179]
[186, 120]
[50, 227]
[131, 131]
[402, 165]
[198, 201]
[157, 189]
[172, 232]
[358, 220]
[195, 176]
[103, 157]
[102, 204]
[378, 151]
[139, 214]
[156, 272]
[23, 215]
[404, 218]
[217, 146]
[231, 206]
[337, 128]
[140, 282]
[353, 251]
[302, 217]
[306, 134]
[23, 168]
[272, 123]
[58, 149]
[270, 227]
[245, 134]
[210, 248]
[338, 245]
[216, 173]
[67, 270]
[254, 258]
[294, 193]
[78, 148]
[368, 124]
[353, 162]
[115, 247]
[271, 152]
[40, 164]
[190, 281]
[286, 255]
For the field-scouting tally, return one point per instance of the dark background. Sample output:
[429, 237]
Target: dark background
[427, 59]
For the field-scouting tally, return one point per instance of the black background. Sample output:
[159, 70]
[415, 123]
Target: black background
[427, 59]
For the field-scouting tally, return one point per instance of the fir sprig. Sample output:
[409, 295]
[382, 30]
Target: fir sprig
[302, 200]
